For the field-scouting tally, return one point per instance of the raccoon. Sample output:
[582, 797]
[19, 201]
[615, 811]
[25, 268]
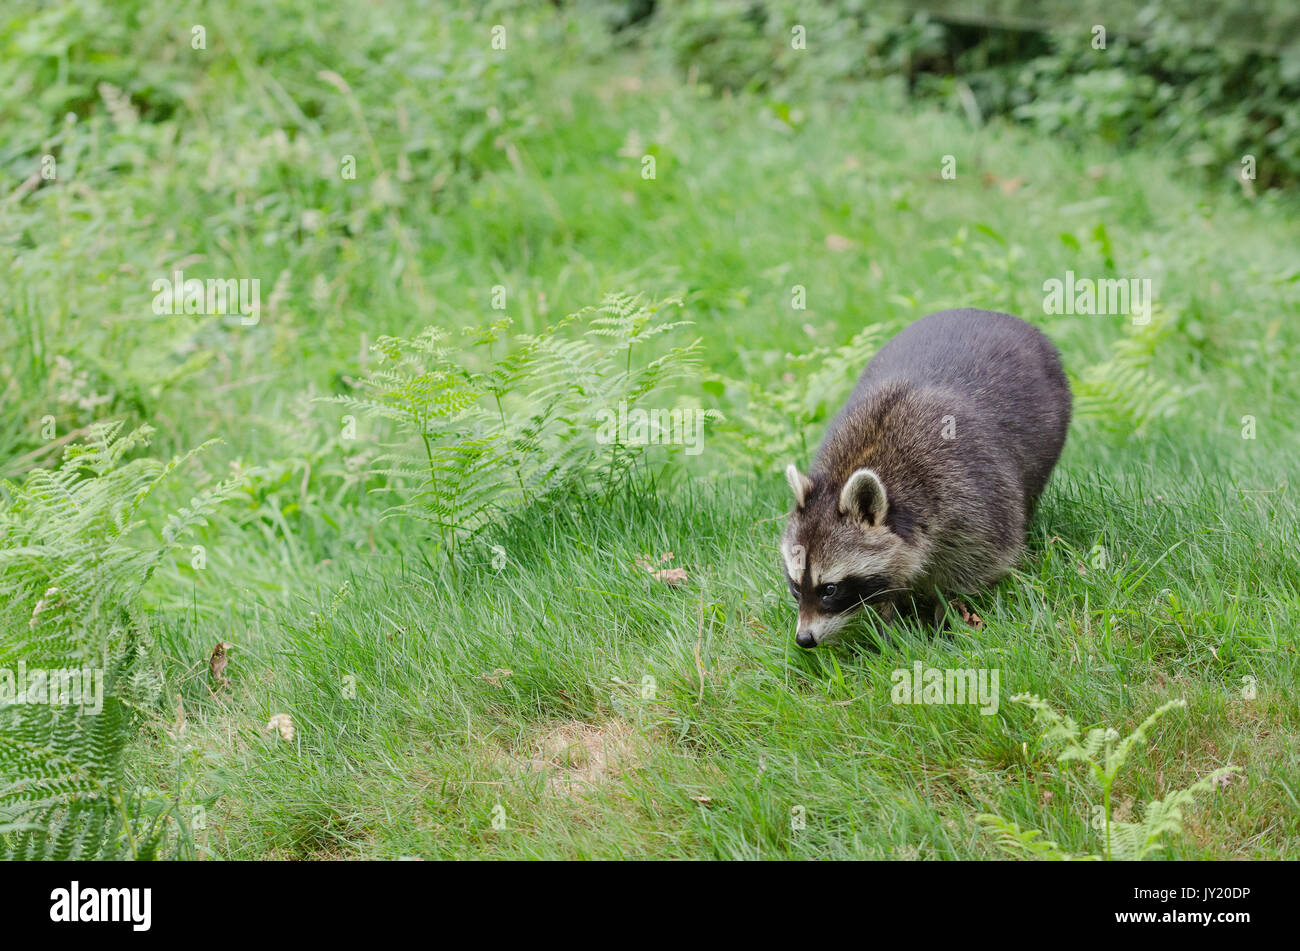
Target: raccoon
[926, 479]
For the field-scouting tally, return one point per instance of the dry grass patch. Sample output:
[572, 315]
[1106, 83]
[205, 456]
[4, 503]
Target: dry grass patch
[577, 758]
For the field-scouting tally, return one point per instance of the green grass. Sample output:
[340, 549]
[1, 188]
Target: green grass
[409, 733]
[414, 763]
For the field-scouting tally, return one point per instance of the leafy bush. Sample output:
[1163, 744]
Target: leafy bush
[734, 45]
[1211, 104]
[1159, 79]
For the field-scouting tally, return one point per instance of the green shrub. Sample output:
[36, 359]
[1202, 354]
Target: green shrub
[1158, 80]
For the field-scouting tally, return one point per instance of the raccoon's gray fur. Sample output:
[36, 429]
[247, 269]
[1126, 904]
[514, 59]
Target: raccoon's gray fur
[926, 480]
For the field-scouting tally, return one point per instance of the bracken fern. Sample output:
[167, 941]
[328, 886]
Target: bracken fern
[1121, 393]
[75, 553]
[767, 425]
[1105, 754]
[481, 432]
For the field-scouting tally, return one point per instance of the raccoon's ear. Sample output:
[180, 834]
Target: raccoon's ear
[863, 497]
[800, 484]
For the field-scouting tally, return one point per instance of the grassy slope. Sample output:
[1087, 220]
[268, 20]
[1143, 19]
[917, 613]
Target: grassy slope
[1200, 588]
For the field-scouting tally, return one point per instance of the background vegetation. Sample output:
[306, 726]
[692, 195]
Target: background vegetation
[545, 692]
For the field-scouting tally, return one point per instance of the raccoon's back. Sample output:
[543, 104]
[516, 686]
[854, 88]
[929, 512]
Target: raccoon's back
[969, 351]
[1003, 370]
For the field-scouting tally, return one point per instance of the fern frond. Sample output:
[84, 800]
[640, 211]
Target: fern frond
[1105, 753]
[485, 434]
[1121, 393]
[75, 552]
[1026, 843]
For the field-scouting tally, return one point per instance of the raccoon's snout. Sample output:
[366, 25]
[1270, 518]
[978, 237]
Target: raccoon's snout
[816, 629]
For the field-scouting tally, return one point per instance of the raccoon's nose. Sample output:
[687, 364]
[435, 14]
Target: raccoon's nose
[805, 639]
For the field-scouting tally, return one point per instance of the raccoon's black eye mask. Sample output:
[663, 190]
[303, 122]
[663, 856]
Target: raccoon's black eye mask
[844, 595]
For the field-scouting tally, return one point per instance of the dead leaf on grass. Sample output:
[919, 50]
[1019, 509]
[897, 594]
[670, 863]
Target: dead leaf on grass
[967, 615]
[669, 576]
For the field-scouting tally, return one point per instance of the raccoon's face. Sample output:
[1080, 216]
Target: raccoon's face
[839, 555]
